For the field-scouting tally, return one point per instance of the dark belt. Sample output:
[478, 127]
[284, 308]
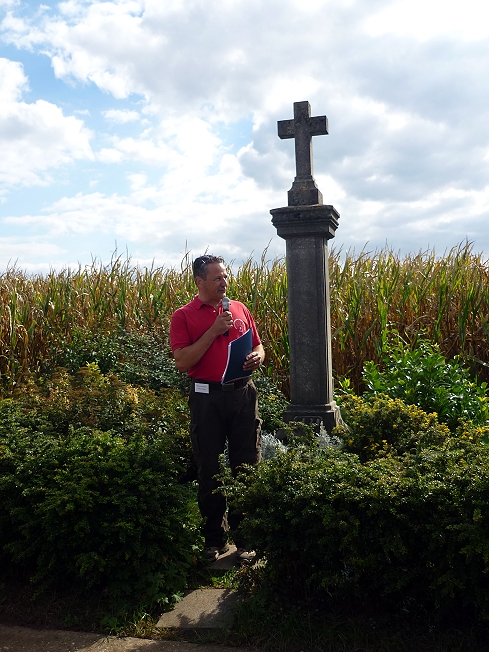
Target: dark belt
[226, 387]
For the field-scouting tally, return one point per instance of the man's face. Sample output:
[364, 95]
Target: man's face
[213, 287]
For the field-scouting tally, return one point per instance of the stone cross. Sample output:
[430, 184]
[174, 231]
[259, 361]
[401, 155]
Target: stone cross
[306, 226]
[304, 191]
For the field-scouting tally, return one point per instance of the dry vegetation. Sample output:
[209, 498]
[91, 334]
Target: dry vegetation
[372, 293]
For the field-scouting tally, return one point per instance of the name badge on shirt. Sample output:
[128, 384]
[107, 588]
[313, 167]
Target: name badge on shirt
[201, 388]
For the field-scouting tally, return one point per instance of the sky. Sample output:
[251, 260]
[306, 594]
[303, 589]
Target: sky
[148, 128]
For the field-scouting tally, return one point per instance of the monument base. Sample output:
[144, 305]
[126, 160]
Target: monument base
[313, 415]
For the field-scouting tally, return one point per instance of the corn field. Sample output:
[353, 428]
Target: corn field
[372, 294]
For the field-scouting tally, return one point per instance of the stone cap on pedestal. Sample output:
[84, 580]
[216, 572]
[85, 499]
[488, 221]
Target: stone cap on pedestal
[300, 221]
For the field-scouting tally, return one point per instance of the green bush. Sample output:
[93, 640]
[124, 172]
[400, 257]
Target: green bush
[272, 403]
[381, 426]
[409, 529]
[423, 377]
[89, 490]
[138, 358]
[91, 398]
[143, 360]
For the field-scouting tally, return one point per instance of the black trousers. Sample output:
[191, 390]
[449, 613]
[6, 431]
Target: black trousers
[215, 418]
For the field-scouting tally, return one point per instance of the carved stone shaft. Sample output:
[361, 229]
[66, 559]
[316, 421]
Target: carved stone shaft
[306, 230]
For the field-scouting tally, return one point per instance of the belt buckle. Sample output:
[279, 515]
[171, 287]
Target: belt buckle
[228, 387]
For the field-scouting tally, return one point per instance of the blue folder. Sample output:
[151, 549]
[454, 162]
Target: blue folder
[237, 352]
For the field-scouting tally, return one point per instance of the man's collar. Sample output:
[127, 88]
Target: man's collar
[198, 303]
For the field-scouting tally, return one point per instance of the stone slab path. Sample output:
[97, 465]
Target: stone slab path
[200, 609]
[24, 639]
[205, 608]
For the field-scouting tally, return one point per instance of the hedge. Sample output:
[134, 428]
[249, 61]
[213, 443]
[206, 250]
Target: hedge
[403, 518]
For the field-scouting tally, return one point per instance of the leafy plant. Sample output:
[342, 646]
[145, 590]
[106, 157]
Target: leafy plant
[102, 401]
[379, 426]
[422, 376]
[272, 403]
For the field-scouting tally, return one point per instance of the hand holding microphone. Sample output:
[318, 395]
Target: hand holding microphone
[226, 307]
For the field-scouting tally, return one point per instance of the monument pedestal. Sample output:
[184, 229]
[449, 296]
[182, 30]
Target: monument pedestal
[307, 225]
[306, 230]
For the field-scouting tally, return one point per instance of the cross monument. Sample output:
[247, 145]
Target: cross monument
[306, 225]
[302, 128]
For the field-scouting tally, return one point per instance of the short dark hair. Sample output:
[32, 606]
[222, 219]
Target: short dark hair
[200, 264]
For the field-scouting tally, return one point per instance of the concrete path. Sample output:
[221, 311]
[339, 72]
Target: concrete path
[205, 608]
[24, 639]
[200, 609]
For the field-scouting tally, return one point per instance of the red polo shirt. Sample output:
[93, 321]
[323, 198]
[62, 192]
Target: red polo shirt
[190, 322]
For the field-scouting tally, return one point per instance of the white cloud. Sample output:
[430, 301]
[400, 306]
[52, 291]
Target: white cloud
[426, 19]
[37, 137]
[84, 41]
[12, 81]
[137, 181]
[191, 52]
[121, 116]
[189, 205]
[17, 253]
[184, 146]
[403, 85]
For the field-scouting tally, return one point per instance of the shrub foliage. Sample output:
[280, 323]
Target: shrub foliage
[89, 490]
[90, 455]
[398, 515]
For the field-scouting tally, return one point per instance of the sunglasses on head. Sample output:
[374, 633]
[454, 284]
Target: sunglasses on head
[200, 262]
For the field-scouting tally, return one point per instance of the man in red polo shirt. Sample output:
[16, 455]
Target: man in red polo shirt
[199, 336]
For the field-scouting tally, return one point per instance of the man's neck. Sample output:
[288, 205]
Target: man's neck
[211, 302]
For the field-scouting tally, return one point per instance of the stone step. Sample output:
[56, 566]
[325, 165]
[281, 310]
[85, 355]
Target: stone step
[205, 608]
[225, 561]
[202, 609]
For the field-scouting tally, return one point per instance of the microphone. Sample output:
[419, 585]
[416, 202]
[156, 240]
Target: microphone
[226, 305]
